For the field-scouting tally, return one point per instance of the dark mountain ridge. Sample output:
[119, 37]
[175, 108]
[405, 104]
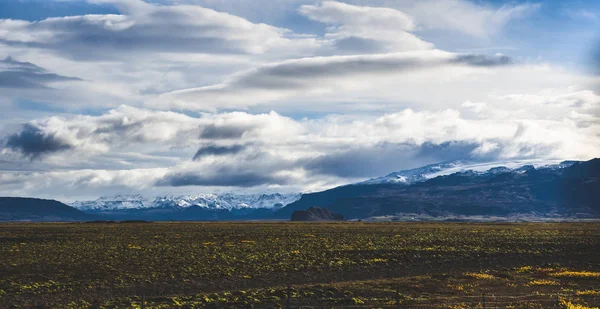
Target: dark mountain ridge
[33, 209]
[568, 190]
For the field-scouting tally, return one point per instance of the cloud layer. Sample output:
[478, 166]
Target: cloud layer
[26, 75]
[270, 151]
[146, 28]
[318, 76]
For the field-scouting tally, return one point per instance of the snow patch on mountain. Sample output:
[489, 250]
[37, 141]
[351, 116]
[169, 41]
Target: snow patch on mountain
[407, 177]
[227, 201]
[113, 203]
[411, 176]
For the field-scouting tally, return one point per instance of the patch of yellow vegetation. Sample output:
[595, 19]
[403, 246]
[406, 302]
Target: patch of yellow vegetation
[588, 292]
[525, 269]
[570, 305]
[458, 287]
[377, 260]
[482, 276]
[577, 274]
[542, 282]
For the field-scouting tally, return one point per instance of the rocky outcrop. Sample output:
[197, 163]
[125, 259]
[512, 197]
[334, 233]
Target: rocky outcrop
[316, 214]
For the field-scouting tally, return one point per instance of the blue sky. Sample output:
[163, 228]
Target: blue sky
[33, 10]
[125, 96]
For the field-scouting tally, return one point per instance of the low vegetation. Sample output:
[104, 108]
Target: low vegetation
[278, 265]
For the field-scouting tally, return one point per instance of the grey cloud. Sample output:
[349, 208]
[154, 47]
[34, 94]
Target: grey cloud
[145, 28]
[214, 150]
[384, 158]
[291, 74]
[483, 61]
[359, 45]
[222, 132]
[34, 143]
[447, 151]
[223, 177]
[283, 79]
[16, 74]
[365, 29]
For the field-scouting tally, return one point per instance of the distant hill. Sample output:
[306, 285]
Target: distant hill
[32, 209]
[566, 189]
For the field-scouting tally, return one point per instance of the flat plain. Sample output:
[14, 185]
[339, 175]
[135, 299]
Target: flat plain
[293, 265]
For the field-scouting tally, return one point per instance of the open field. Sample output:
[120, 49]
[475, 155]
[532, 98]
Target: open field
[272, 265]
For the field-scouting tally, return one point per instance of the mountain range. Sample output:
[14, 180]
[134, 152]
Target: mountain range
[226, 206]
[567, 189]
[446, 189]
[226, 201]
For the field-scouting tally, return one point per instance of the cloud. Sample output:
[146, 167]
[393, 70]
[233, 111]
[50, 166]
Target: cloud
[230, 167]
[26, 75]
[150, 48]
[471, 18]
[214, 150]
[222, 132]
[77, 184]
[382, 158]
[474, 18]
[121, 127]
[562, 116]
[143, 27]
[131, 149]
[317, 76]
[33, 143]
[363, 29]
[224, 178]
[157, 131]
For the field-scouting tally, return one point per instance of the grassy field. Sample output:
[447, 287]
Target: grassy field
[274, 265]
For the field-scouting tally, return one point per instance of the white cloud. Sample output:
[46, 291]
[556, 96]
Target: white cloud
[320, 76]
[474, 18]
[362, 29]
[147, 28]
[467, 17]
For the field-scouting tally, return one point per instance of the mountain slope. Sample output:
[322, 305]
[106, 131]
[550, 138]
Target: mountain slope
[32, 209]
[565, 189]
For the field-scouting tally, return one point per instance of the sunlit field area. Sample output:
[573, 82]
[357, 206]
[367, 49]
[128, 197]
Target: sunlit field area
[293, 265]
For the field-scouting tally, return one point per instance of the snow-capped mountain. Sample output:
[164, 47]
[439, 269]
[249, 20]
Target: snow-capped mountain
[226, 201]
[114, 203]
[416, 174]
[407, 177]
[535, 188]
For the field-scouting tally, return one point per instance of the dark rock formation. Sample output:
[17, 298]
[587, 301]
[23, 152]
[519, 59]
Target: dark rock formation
[316, 214]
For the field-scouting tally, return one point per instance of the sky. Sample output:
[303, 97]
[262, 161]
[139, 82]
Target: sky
[106, 97]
